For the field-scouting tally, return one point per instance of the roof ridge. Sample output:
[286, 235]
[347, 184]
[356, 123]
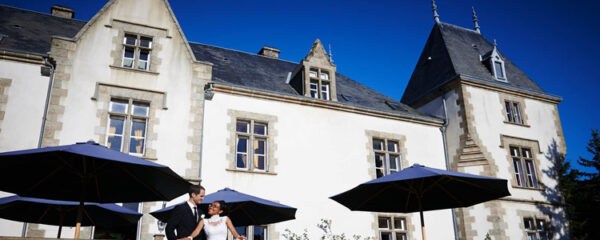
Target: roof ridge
[41, 13]
[240, 51]
[461, 27]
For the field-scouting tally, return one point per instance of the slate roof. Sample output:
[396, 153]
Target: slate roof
[30, 32]
[455, 51]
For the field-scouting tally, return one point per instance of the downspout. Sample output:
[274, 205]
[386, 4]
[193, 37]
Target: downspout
[208, 95]
[39, 145]
[444, 140]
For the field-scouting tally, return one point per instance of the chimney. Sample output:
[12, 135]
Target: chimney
[61, 11]
[269, 52]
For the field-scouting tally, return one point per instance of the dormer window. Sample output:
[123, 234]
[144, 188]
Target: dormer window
[320, 86]
[499, 69]
[495, 64]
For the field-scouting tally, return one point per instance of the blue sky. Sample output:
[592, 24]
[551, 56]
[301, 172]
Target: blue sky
[378, 42]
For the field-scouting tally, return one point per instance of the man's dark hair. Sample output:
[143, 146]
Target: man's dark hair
[195, 189]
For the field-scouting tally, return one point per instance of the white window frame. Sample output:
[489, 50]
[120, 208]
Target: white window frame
[495, 58]
[320, 82]
[137, 49]
[391, 229]
[513, 112]
[250, 145]
[524, 166]
[387, 155]
[538, 232]
[129, 117]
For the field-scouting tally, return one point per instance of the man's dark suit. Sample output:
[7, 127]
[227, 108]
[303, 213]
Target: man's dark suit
[182, 220]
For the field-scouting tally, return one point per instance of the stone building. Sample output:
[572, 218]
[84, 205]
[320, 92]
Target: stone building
[291, 132]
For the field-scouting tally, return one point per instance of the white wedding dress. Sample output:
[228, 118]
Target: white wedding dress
[216, 228]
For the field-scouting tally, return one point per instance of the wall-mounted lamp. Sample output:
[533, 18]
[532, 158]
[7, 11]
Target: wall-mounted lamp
[208, 91]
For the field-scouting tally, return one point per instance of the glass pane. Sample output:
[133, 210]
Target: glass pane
[393, 162]
[260, 233]
[384, 222]
[128, 62]
[386, 236]
[499, 73]
[259, 146]
[377, 144]
[324, 75]
[529, 224]
[146, 42]
[392, 146]
[399, 223]
[313, 89]
[118, 106]
[128, 53]
[379, 172]
[518, 172]
[325, 91]
[144, 55]
[242, 145]
[142, 65]
[379, 158]
[526, 153]
[259, 162]
[260, 129]
[531, 172]
[130, 39]
[138, 128]
[140, 109]
[514, 152]
[114, 143]
[116, 125]
[540, 225]
[241, 160]
[400, 236]
[517, 113]
[313, 73]
[136, 146]
[132, 206]
[242, 231]
[508, 111]
[241, 126]
[531, 236]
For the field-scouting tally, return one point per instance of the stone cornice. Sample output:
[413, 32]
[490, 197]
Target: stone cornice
[21, 57]
[469, 81]
[222, 88]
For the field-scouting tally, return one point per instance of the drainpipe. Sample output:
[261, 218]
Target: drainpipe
[208, 95]
[444, 140]
[39, 145]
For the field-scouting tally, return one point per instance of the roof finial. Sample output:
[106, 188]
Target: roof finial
[435, 14]
[495, 43]
[330, 54]
[475, 20]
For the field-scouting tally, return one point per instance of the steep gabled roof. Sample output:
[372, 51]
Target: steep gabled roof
[452, 51]
[257, 72]
[30, 32]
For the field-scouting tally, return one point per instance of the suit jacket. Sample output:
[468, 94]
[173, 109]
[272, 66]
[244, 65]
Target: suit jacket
[182, 220]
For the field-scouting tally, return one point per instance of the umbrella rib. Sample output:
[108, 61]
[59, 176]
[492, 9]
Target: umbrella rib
[44, 179]
[96, 178]
[452, 196]
[43, 214]
[141, 182]
[372, 196]
[88, 216]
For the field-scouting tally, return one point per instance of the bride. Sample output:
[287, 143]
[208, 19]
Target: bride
[215, 226]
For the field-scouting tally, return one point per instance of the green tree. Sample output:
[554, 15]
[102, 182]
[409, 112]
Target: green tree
[594, 148]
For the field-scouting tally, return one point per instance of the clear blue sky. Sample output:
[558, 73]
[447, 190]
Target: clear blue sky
[378, 42]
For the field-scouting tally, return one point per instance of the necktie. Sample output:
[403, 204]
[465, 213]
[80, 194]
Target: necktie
[195, 214]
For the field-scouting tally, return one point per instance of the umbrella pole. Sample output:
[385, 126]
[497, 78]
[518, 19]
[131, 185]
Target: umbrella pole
[79, 216]
[422, 225]
[62, 218]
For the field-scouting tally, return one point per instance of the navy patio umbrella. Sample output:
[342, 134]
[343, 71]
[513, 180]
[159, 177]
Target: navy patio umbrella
[87, 172]
[244, 209]
[64, 213]
[419, 188]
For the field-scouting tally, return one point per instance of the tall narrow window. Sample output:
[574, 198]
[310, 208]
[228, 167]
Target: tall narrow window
[524, 167]
[136, 51]
[251, 143]
[325, 91]
[392, 228]
[499, 70]
[314, 89]
[513, 112]
[387, 157]
[127, 122]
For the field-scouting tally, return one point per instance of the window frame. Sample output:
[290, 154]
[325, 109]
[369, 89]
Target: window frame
[522, 167]
[250, 232]
[391, 220]
[129, 118]
[513, 111]
[535, 228]
[320, 82]
[251, 137]
[386, 153]
[137, 50]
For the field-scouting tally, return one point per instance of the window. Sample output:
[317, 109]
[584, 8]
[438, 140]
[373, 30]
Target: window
[136, 52]
[499, 70]
[392, 228]
[523, 167]
[513, 112]
[127, 122]
[251, 143]
[387, 157]
[253, 232]
[319, 84]
[536, 229]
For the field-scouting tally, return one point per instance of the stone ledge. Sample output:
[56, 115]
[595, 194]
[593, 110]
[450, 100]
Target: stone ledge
[133, 70]
[251, 172]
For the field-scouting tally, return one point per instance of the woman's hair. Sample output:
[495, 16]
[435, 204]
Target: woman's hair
[223, 206]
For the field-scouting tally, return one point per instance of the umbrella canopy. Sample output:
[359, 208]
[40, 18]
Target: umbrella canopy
[419, 188]
[64, 213]
[88, 172]
[243, 209]
[44, 211]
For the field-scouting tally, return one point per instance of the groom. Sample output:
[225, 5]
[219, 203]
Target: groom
[185, 217]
